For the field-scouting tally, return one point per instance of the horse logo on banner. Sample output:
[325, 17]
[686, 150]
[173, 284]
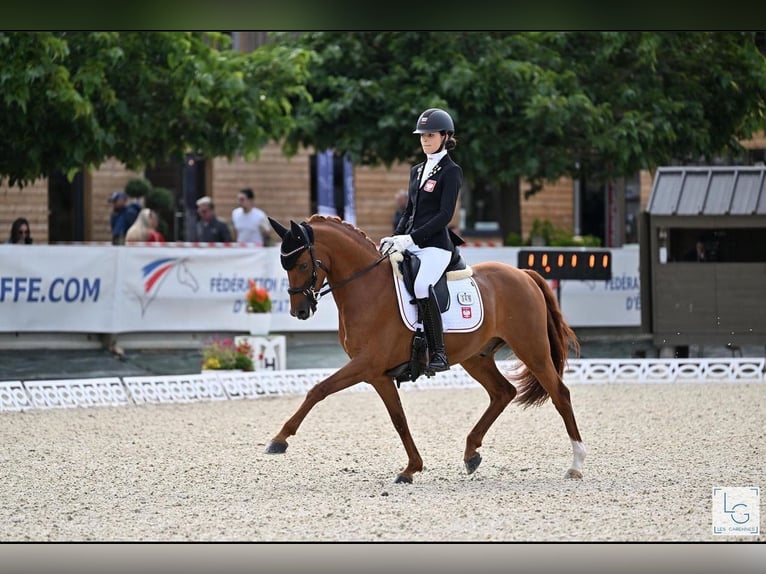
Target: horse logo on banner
[155, 273]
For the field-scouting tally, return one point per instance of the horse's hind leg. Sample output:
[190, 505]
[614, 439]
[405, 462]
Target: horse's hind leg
[560, 396]
[390, 396]
[501, 393]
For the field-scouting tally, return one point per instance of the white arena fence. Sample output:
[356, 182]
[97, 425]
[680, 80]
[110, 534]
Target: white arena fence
[237, 385]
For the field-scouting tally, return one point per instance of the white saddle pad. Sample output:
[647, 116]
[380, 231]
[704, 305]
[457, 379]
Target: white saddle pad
[466, 309]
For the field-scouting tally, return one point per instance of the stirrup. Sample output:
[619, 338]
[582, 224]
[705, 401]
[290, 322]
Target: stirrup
[438, 362]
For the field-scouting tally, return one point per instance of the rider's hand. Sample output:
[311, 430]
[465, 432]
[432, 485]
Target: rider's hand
[397, 243]
[386, 244]
[402, 242]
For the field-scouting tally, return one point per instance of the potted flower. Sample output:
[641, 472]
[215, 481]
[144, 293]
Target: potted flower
[258, 309]
[226, 355]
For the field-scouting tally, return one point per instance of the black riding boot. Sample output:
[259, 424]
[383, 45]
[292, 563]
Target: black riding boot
[432, 322]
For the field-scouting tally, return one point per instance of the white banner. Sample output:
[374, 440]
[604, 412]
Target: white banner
[55, 288]
[613, 303]
[110, 289]
[174, 289]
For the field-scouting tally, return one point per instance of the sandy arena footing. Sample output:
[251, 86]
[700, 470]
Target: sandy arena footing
[198, 471]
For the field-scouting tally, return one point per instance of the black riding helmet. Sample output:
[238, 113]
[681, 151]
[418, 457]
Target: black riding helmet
[434, 120]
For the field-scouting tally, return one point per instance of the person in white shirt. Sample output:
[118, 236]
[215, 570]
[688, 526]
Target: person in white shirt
[250, 223]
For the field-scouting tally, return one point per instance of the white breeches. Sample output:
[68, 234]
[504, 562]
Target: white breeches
[433, 262]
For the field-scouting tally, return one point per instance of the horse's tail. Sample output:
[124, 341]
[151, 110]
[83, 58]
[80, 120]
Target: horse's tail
[560, 336]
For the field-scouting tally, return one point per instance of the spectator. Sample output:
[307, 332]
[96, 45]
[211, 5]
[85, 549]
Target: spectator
[123, 216]
[699, 253]
[401, 205]
[209, 228]
[144, 229]
[250, 223]
[20, 232]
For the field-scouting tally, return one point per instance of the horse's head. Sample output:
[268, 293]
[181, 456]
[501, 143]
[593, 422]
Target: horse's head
[302, 266]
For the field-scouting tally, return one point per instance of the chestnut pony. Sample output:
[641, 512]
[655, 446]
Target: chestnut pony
[327, 255]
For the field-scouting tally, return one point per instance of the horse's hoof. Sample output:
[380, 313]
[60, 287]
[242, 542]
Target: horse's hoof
[275, 447]
[403, 479]
[572, 473]
[473, 463]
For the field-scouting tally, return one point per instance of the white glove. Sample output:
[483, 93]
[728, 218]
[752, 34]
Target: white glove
[385, 244]
[402, 242]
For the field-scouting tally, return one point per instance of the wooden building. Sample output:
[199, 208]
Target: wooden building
[716, 298]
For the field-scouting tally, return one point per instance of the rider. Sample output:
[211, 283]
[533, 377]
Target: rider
[423, 229]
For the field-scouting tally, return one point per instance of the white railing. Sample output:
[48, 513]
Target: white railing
[235, 385]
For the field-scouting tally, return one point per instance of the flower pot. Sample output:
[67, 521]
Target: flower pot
[259, 323]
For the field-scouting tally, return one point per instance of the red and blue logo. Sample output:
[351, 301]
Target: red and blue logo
[155, 271]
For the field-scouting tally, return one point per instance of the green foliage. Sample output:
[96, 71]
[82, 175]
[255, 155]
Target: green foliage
[513, 239]
[527, 105]
[243, 362]
[224, 354]
[534, 105]
[160, 199]
[138, 187]
[549, 234]
[73, 99]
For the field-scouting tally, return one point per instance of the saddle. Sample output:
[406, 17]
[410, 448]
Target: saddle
[409, 266]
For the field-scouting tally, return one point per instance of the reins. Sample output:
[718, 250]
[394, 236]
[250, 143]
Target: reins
[351, 277]
[308, 289]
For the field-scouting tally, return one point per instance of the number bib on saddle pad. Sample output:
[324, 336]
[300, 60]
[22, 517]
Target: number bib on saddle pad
[466, 310]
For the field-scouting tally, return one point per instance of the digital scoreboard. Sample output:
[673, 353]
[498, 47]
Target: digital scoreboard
[584, 264]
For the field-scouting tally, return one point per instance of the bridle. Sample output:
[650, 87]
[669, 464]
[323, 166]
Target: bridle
[309, 288]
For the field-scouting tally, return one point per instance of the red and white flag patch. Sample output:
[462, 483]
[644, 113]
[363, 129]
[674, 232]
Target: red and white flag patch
[429, 185]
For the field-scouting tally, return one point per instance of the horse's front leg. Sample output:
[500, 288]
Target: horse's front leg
[347, 376]
[390, 395]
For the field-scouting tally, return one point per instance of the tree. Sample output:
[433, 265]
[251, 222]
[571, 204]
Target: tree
[70, 100]
[533, 105]
[665, 97]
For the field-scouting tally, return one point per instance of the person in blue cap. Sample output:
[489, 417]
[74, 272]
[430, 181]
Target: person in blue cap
[122, 217]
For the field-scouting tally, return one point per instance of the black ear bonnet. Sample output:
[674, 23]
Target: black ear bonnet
[299, 238]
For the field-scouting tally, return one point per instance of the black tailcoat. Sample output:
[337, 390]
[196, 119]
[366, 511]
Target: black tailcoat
[431, 206]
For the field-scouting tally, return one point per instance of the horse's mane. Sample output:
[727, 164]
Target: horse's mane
[335, 220]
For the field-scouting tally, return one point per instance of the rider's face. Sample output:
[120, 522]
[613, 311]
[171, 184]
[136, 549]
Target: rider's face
[431, 142]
